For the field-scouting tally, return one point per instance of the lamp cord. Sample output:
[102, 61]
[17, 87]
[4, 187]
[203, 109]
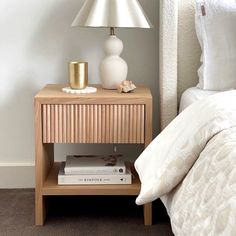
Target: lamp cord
[112, 31]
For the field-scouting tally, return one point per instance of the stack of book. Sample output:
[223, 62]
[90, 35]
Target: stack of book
[86, 170]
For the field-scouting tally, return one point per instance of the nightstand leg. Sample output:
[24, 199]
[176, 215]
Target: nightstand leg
[147, 208]
[40, 210]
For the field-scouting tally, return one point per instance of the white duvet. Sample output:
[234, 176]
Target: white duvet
[191, 165]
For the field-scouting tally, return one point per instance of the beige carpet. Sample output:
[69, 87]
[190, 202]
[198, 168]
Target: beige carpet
[70, 216]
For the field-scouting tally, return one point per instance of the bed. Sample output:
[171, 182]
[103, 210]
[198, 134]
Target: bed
[191, 165]
[192, 95]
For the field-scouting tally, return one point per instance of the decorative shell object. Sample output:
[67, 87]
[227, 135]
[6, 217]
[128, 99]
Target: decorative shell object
[126, 86]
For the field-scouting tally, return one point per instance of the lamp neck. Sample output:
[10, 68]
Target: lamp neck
[112, 31]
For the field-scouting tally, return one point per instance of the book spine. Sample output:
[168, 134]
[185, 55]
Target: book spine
[95, 171]
[93, 179]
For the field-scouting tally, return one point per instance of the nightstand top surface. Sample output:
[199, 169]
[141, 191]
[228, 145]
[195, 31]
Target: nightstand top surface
[53, 91]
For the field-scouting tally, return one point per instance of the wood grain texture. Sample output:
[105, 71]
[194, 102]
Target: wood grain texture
[104, 117]
[56, 122]
[93, 124]
[87, 123]
[139, 123]
[52, 188]
[119, 122]
[99, 124]
[44, 110]
[130, 124]
[148, 123]
[44, 159]
[126, 127]
[60, 124]
[48, 124]
[64, 125]
[142, 136]
[76, 115]
[72, 124]
[52, 94]
[147, 214]
[68, 124]
[52, 122]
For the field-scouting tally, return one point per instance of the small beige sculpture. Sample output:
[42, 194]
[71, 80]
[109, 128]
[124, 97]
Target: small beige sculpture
[126, 86]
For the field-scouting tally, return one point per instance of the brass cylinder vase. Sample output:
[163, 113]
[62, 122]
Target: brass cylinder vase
[78, 74]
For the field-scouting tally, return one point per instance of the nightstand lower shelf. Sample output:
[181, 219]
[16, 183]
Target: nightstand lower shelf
[51, 187]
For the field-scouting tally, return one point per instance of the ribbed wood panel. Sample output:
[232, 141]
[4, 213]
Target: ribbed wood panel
[93, 123]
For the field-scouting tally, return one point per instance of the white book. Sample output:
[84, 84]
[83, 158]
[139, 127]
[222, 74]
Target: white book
[79, 165]
[93, 179]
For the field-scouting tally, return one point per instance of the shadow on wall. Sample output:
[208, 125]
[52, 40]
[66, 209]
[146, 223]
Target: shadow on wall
[51, 44]
[16, 123]
[46, 44]
[55, 43]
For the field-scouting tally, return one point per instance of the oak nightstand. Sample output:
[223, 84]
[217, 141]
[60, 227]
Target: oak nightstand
[104, 117]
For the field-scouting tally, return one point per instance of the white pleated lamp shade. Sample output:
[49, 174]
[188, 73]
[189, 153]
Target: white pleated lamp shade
[112, 13]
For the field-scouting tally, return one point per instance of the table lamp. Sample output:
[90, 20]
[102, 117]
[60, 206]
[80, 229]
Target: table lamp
[112, 14]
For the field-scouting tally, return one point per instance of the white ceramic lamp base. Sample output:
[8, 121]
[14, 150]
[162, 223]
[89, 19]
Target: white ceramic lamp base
[113, 69]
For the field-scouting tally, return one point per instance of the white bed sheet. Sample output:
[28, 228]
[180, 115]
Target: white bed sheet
[192, 95]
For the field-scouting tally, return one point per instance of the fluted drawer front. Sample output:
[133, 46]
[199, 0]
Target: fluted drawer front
[93, 123]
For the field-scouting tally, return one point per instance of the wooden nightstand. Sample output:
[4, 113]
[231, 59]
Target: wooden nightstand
[104, 117]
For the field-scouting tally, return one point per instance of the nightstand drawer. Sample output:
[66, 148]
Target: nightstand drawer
[93, 123]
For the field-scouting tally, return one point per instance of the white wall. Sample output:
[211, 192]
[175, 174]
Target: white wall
[36, 43]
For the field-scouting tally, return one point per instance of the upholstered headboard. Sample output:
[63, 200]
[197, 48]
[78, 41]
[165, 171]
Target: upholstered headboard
[179, 54]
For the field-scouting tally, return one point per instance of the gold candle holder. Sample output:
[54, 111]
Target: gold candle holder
[78, 75]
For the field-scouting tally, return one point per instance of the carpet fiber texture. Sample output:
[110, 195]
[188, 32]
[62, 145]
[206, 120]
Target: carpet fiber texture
[85, 216]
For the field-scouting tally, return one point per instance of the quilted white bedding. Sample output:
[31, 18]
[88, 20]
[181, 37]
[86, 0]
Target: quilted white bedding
[204, 203]
[191, 165]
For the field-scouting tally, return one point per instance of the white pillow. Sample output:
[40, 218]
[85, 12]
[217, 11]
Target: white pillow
[216, 31]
